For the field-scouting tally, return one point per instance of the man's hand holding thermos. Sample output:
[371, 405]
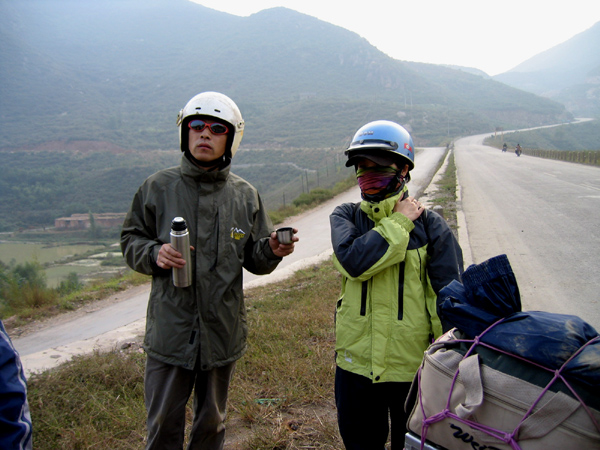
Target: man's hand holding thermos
[177, 254]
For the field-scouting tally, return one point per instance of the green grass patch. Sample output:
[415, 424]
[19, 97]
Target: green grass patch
[23, 302]
[95, 401]
[445, 194]
[313, 198]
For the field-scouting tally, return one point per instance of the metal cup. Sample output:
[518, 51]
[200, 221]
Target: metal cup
[285, 234]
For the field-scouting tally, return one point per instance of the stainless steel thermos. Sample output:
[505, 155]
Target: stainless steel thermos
[180, 241]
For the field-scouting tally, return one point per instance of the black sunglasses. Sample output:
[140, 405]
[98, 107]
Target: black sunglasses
[215, 128]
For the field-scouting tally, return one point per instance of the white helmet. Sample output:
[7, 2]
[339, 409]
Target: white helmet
[212, 104]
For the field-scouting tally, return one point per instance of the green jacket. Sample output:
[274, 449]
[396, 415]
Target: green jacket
[229, 229]
[392, 270]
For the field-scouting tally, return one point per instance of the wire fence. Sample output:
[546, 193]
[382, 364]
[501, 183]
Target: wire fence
[589, 157]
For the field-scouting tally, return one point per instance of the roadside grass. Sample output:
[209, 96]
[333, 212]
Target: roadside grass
[24, 303]
[306, 201]
[281, 396]
[444, 194]
[94, 401]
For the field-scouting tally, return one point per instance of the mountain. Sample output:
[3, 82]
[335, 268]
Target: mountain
[118, 71]
[568, 73]
[471, 70]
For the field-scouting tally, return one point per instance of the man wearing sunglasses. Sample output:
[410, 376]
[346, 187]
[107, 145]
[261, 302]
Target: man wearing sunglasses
[194, 335]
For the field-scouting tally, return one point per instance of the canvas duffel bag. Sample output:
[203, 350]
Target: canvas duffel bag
[472, 396]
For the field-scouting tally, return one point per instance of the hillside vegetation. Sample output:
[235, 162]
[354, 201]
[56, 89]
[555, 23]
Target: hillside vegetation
[584, 136]
[119, 71]
[577, 136]
[37, 187]
[89, 93]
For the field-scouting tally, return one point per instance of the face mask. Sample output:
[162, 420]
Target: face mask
[378, 183]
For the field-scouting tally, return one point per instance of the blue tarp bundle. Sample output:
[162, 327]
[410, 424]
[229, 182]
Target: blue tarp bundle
[489, 292]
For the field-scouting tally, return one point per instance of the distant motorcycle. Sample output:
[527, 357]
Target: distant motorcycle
[518, 150]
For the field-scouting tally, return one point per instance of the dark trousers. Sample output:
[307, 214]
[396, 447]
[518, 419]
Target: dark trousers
[167, 391]
[365, 411]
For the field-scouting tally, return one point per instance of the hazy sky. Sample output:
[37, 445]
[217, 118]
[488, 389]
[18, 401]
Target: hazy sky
[493, 36]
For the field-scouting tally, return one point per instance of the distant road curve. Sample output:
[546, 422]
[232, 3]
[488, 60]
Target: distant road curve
[544, 215]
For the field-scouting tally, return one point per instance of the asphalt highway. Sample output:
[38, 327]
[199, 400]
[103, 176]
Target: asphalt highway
[544, 215]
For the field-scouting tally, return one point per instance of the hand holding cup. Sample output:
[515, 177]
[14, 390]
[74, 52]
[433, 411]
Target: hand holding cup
[282, 241]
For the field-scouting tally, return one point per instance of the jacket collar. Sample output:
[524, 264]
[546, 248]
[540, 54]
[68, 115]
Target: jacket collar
[378, 210]
[189, 169]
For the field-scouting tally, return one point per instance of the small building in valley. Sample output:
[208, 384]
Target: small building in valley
[82, 221]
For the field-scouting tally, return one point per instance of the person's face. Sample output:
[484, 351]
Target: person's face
[206, 146]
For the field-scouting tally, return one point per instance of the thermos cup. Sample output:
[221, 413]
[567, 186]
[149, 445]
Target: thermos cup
[285, 235]
[180, 241]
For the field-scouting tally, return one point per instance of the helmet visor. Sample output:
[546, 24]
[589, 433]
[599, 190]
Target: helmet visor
[381, 158]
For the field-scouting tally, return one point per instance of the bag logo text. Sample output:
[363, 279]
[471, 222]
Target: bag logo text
[468, 439]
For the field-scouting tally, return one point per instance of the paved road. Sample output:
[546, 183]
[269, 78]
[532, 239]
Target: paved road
[544, 215]
[116, 322]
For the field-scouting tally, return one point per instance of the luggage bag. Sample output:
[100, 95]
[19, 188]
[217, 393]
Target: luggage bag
[473, 396]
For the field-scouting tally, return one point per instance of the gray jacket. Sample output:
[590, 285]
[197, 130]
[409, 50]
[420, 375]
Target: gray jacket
[229, 229]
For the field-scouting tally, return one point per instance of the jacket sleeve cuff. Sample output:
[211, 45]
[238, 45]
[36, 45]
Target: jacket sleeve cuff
[404, 221]
[268, 251]
[152, 258]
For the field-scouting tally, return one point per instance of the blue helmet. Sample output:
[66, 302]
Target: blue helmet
[383, 142]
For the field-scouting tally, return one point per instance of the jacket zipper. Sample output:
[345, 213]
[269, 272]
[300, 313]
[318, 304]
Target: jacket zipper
[363, 298]
[401, 291]
[214, 266]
